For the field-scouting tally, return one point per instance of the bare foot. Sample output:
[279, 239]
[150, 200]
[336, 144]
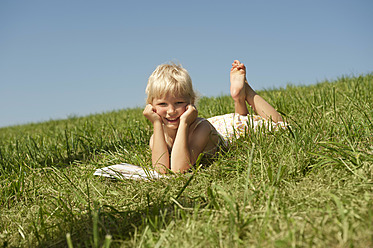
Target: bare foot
[238, 77]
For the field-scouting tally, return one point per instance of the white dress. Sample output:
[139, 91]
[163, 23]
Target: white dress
[234, 125]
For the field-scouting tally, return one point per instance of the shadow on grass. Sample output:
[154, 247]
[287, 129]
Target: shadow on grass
[122, 226]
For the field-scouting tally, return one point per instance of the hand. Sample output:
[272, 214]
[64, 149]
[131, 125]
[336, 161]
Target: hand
[150, 113]
[190, 115]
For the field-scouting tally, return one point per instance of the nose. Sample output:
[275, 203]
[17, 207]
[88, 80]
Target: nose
[171, 109]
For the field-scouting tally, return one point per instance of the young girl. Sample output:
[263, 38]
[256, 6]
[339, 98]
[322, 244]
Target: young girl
[180, 136]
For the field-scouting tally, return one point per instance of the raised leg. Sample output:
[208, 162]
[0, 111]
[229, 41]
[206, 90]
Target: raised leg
[241, 92]
[238, 91]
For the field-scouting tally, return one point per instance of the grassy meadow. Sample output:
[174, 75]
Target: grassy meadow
[308, 186]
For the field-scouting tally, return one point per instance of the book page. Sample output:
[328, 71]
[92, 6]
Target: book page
[127, 171]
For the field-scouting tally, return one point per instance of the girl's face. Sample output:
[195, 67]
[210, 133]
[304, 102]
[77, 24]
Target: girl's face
[170, 108]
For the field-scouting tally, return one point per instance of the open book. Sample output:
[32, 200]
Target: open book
[127, 171]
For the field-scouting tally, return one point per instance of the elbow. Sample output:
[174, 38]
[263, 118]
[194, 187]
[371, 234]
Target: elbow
[180, 169]
[160, 169]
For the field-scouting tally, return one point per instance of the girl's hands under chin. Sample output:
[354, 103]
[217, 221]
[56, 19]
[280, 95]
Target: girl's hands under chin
[190, 114]
[150, 113]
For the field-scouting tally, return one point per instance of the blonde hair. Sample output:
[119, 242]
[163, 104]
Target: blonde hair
[170, 79]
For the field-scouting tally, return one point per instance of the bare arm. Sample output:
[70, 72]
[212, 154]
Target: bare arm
[185, 152]
[160, 154]
[180, 155]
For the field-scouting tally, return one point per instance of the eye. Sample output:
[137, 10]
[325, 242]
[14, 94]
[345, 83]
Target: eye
[179, 103]
[162, 104]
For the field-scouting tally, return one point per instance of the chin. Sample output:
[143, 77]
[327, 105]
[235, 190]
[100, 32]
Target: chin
[172, 126]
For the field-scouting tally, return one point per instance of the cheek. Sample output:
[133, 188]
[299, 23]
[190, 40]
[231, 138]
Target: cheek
[183, 109]
[160, 111]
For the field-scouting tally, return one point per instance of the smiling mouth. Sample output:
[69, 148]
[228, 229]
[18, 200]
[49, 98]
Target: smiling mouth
[173, 120]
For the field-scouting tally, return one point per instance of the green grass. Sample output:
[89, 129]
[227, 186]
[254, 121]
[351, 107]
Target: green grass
[308, 186]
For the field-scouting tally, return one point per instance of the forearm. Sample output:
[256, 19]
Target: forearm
[181, 155]
[160, 154]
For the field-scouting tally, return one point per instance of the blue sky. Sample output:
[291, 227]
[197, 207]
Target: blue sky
[68, 58]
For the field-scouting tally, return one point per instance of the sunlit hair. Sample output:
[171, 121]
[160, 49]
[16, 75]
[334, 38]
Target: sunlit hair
[170, 79]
